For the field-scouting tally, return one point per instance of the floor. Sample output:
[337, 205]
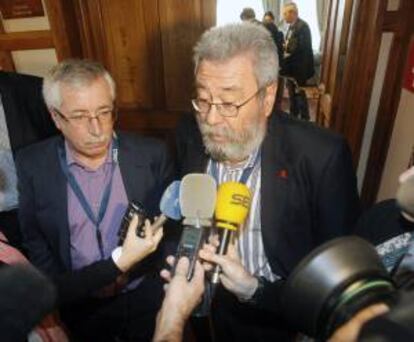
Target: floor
[312, 95]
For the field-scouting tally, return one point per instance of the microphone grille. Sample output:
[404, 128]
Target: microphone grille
[198, 193]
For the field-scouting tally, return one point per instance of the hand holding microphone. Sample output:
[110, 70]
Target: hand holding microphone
[232, 208]
[234, 277]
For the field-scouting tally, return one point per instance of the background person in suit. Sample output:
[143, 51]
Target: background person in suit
[74, 190]
[269, 23]
[301, 177]
[298, 54]
[24, 119]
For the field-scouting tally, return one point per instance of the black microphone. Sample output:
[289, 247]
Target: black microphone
[26, 298]
[197, 199]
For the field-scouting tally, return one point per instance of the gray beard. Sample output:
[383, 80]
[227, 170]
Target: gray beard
[239, 147]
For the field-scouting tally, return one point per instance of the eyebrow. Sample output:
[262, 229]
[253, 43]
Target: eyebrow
[229, 88]
[103, 107]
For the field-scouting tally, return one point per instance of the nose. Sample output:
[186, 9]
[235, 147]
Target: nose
[213, 117]
[95, 127]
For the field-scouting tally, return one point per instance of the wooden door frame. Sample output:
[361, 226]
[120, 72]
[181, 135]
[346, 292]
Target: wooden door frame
[351, 99]
[400, 23]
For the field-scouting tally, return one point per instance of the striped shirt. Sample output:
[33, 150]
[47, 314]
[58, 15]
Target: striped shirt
[250, 242]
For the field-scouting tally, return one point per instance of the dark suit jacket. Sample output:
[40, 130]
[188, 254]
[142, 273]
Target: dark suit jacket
[308, 191]
[145, 169]
[299, 63]
[28, 121]
[27, 118]
[278, 40]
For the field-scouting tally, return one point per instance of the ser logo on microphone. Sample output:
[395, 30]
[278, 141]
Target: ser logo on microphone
[238, 199]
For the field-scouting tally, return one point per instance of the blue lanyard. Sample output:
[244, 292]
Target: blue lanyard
[245, 174]
[80, 195]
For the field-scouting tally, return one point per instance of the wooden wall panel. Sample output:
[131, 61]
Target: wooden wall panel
[147, 47]
[6, 60]
[352, 96]
[125, 36]
[181, 25]
[64, 27]
[26, 40]
[91, 29]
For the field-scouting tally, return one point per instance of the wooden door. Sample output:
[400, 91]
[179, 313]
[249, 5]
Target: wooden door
[147, 47]
[361, 78]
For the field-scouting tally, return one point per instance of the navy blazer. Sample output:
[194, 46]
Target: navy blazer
[145, 169]
[299, 63]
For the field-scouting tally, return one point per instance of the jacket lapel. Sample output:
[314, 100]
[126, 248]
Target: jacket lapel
[60, 210]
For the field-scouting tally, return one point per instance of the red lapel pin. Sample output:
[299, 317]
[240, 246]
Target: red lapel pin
[282, 173]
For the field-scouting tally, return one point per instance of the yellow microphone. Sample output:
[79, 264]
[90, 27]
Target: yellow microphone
[232, 206]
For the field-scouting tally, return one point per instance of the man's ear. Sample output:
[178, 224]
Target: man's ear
[55, 118]
[269, 98]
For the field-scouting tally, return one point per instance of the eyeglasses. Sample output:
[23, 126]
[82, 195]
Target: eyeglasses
[103, 116]
[224, 109]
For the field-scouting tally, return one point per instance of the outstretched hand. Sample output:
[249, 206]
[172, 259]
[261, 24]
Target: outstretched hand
[136, 248]
[181, 298]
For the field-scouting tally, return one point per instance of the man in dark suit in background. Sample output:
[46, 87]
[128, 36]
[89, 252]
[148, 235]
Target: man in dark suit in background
[24, 119]
[301, 177]
[269, 23]
[73, 193]
[298, 62]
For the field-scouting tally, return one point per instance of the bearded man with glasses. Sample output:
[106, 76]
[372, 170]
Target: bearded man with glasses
[74, 190]
[300, 176]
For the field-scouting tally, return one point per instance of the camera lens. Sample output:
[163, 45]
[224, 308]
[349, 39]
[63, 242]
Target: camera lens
[332, 283]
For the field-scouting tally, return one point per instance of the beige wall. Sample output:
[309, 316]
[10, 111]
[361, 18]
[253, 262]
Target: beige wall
[402, 142]
[384, 53]
[34, 62]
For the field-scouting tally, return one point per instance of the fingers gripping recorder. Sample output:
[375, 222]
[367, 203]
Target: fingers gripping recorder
[232, 207]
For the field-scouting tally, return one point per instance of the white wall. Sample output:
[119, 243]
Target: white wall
[402, 142]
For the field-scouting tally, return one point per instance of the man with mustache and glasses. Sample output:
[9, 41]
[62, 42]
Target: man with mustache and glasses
[74, 190]
[300, 176]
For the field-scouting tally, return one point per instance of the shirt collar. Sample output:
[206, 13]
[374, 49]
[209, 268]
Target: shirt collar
[244, 165]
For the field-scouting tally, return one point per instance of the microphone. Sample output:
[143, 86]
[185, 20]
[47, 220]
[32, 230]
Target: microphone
[232, 207]
[405, 196]
[197, 198]
[170, 201]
